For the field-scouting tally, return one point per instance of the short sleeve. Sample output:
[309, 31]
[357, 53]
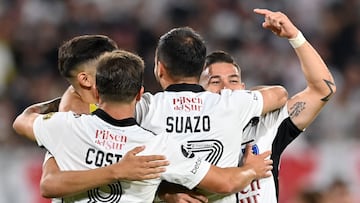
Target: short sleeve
[186, 171]
[142, 107]
[50, 130]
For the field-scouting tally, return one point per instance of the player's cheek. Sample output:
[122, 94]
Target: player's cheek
[214, 88]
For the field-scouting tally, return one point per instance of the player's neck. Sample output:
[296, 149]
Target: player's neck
[86, 95]
[118, 110]
[184, 80]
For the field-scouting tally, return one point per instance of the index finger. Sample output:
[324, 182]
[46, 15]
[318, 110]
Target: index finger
[262, 11]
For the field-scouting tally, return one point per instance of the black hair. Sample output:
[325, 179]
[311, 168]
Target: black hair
[182, 51]
[119, 76]
[220, 57]
[80, 50]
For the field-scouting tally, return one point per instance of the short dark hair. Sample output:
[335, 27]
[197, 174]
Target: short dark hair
[220, 57]
[182, 51]
[119, 76]
[80, 50]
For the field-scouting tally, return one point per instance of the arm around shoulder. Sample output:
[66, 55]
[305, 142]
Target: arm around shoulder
[23, 123]
[234, 179]
[274, 97]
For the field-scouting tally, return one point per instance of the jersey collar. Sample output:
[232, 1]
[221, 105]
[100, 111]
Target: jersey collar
[107, 118]
[185, 87]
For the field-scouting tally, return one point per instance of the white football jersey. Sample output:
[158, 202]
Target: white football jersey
[205, 123]
[274, 132]
[80, 142]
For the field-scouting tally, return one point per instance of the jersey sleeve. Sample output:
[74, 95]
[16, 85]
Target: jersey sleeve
[50, 130]
[185, 171]
[48, 156]
[256, 102]
[247, 103]
[142, 107]
[275, 118]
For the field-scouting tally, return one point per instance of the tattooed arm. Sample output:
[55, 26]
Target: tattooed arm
[305, 105]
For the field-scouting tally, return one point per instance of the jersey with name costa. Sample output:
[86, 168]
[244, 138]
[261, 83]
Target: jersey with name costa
[205, 123]
[273, 131]
[80, 142]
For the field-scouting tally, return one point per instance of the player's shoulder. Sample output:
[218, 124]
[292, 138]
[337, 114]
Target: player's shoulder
[58, 119]
[229, 92]
[61, 115]
[242, 96]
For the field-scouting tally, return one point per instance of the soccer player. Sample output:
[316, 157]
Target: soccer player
[77, 59]
[206, 124]
[275, 130]
[186, 57]
[82, 141]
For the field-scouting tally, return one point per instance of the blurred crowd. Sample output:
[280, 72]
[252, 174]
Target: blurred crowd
[327, 152]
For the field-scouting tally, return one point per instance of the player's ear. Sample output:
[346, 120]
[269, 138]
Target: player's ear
[243, 86]
[161, 69]
[84, 79]
[96, 94]
[139, 95]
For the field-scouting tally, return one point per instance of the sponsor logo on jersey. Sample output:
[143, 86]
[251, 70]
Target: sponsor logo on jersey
[48, 116]
[187, 104]
[76, 115]
[254, 148]
[212, 150]
[196, 167]
[251, 193]
[255, 97]
[109, 140]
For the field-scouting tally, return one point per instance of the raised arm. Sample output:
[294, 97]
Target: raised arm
[305, 105]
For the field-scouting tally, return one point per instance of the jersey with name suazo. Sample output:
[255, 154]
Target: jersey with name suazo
[205, 123]
[274, 131]
[80, 142]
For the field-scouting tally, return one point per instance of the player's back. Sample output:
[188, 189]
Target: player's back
[205, 123]
[92, 141]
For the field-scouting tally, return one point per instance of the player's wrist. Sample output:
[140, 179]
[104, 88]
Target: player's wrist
[298, 40]
[249, 171]
[113, 172]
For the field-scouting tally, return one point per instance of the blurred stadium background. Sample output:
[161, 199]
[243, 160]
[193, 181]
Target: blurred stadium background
[325, 159]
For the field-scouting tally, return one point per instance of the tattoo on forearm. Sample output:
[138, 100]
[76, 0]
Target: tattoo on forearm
[329, 84]
[296, 109]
